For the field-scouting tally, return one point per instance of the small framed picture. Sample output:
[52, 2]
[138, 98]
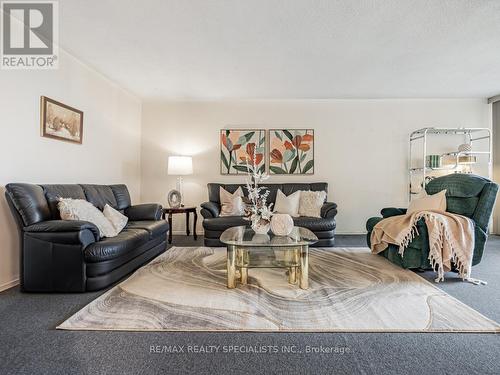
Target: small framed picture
[60, 121]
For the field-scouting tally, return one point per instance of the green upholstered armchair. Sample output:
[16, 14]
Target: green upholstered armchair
[468, 195]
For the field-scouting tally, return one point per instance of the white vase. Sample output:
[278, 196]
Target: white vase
[260, 228]
[282, 224]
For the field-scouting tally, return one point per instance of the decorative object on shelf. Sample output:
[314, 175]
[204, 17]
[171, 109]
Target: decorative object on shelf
[291, 151]
[257, 210]
[465, 157]
[281, 224]
[179, 166]
[433, 161]
[422, 167]
[60, 121]
[462, 160]
[174, 198]
[241, 149]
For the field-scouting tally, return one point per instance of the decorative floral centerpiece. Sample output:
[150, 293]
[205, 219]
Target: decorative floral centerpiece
[257, 209]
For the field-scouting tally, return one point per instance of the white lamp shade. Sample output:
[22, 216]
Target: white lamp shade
[180, 165]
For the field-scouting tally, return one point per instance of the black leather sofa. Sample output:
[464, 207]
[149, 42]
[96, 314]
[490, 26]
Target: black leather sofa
[69, 256]
[214, 225]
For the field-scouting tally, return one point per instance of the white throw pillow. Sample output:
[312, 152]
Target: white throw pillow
[231, 204]
[80, 209]
[287, 204]
[311, 202]
[435, 202]
[115, 217]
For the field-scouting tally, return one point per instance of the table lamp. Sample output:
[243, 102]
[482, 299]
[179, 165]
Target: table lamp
[178, 166]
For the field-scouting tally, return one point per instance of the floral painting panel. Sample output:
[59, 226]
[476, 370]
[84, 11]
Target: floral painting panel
[291, 151]
[240, 149]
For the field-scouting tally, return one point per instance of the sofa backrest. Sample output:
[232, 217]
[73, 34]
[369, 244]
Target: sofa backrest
[36, 203]
[53, 192]
[286, 188]
[468, 195]
[29, 201]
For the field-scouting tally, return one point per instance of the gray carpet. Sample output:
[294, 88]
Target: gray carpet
[29, 343]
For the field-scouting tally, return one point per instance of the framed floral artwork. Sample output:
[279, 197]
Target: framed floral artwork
[291, 151]
[240, 149]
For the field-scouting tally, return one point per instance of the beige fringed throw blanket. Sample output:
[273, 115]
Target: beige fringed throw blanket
[451, 239]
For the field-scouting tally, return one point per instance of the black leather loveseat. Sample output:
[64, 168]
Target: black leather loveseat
[69, 256]
[214, 225]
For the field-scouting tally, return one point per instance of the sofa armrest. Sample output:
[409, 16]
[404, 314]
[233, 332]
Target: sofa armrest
[63, 226]
[146, 211]
[328, 210]
[210, 209]
[392, 211]
[64, 232]
[484, 208]
[371, 222]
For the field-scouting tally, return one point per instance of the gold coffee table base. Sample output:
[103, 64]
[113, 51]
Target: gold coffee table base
[294, 258]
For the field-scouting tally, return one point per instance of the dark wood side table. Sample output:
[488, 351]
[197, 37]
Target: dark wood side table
[181, 210]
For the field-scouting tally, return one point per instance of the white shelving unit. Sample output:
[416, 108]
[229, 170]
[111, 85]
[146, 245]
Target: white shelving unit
[425, 135]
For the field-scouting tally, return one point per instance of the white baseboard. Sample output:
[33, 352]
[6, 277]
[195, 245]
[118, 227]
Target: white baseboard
[9, 284]
[183, 232]
[349, 233]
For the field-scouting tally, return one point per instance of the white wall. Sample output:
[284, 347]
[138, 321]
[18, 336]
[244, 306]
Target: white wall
[361, 145]
[111, 139]
[496, 162]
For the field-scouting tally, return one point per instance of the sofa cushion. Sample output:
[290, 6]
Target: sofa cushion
[122, 196]
[457, 185]
[428, 202]
[100, 195]
[110, 248]
[231, 203]
[81, 210]
[103, 267]
[287, 189]
[462, 206]
[287, 204]
[154, 228]
[54, 192]
[311, 202]
[292, 188]
[29, 200]
[116, 219]
[223, 223]
[314, 223]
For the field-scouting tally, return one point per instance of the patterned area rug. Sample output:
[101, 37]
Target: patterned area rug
[350, 290]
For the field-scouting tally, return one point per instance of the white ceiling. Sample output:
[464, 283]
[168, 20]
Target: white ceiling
[213, 49]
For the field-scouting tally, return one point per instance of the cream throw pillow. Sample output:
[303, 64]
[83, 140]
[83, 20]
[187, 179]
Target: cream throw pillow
[435, 202]
[287, 204]
[80, 209]
[311, 202]
[118, 220]
[231, 204]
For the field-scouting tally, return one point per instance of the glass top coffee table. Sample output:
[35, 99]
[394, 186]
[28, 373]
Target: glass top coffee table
[246, 249]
